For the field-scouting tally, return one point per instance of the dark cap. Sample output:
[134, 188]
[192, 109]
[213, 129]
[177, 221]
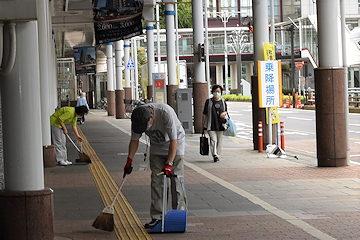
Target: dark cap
[139, 119]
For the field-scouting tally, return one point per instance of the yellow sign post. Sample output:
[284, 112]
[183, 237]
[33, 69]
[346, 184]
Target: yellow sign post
[269, 52]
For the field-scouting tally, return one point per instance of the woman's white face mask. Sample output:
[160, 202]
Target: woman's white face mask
[217, 95]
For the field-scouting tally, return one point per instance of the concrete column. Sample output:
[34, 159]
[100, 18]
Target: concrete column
[198, 38]
[170, 50]
[136, 68]
[249, 71]
[114, 70]
[233, 76]
[328, 34]
[20, 89]
[200, 86]
[202, 93]
[330, 90]
[110, 80]
[219, 75]
[261, 36]
[261, 31]
[54, 103]
[45, 82]
[150, 57]
[127, 71]
[26, 216]
[132, 72]
[119, 92]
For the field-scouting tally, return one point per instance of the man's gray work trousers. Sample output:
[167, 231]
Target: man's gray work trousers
[157, 164]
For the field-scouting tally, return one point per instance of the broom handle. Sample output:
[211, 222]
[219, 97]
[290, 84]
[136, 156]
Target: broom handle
[73, 143]
[119, 190]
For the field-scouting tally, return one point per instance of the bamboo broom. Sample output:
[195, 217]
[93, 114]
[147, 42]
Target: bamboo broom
[105, 221]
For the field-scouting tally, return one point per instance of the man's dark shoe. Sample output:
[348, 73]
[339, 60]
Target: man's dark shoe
[216, 159]
[152, 224]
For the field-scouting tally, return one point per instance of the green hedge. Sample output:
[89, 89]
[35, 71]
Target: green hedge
[237, 98]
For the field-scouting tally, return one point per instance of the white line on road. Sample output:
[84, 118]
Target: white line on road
[356, 163]
[305, 119]
[354, 124]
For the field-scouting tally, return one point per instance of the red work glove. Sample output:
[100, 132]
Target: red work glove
[168, 170]
[128, 167]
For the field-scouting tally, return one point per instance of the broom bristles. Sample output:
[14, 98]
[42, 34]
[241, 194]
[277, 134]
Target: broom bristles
[84, 158]
[105, 221]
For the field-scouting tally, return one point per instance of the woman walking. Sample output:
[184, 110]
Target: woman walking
[214, 113]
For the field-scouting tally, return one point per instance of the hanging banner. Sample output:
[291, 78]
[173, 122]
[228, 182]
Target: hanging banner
[274, 115]
[117, 20]
[269, 52]
[270, 90]
[85, 60]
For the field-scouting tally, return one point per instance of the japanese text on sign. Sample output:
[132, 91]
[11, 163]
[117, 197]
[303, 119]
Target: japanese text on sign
[269, 51]
[269, 83]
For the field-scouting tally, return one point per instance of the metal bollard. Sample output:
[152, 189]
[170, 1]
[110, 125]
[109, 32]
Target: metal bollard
[260, 137]
[282, 131]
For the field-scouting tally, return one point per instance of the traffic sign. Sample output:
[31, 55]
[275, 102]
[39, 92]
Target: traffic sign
[130, 65]
[269, 77]
[299, 65]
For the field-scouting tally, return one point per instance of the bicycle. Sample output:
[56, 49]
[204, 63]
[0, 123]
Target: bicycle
[102, 104]
[130, 105]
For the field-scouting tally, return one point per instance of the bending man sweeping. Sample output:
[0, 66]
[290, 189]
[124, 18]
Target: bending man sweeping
[167, 146]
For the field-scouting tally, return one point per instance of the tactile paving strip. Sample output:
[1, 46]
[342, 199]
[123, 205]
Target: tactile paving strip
[127, 224]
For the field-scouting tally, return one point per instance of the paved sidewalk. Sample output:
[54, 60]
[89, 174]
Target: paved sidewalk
[243, 196]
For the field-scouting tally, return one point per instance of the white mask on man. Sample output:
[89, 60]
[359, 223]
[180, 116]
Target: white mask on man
[217, 95]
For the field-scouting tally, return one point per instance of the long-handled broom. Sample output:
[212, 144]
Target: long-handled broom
[105, 221]
[82, 155]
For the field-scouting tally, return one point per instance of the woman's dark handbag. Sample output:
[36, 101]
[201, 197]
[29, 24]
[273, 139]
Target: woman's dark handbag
[204, 144]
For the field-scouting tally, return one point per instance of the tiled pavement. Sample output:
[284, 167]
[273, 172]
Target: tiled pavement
[244, 196]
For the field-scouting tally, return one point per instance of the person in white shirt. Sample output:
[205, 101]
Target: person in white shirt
[82, 102]
[167, 146]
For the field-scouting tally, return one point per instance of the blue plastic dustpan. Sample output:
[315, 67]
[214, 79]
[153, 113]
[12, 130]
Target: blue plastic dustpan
[175, 221]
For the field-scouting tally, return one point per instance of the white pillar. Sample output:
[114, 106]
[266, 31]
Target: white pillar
[119, 66]
[132, 72]
[170, 41]
[126, 60]
[114, 70]
[45, 63]
[150, 51]
[207, 57]
[261, 32]
[219, 75]
[249, 71]
[272, 23]
[158, 40]
[198, 38]
[136, 73]
[328, 34]
[53, 72]
[226, 59]
[233, 76]
[261, 36]
[110, 67]
[21, 108]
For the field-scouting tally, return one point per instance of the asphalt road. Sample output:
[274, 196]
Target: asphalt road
[300, 128]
